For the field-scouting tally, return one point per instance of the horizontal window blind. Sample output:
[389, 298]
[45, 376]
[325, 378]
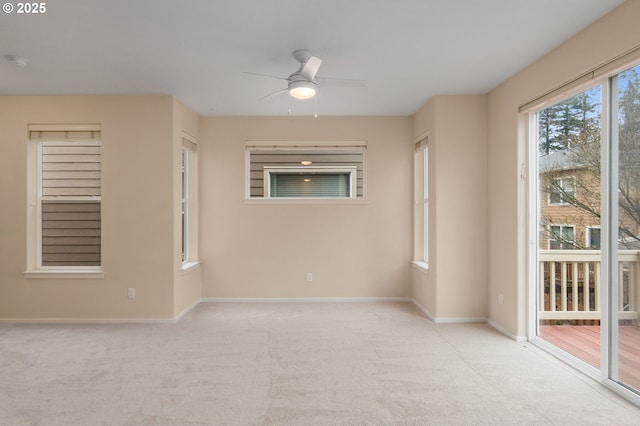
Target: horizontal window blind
[64, 135]
[64, 132]
[189, 145]
[421, 143]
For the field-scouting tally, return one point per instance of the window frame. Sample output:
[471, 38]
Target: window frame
[562, 228]
[35, 146]
[188, 250]
[588, 234]
[185, 205]
[421, 202]
[351, 171]
[560, 195]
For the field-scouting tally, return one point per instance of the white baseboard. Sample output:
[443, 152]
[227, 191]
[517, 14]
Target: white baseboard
[444, 320]
[91, 321]
[191, 307]
[460, 320]
[187, 310]
[87, 321]
[424, 310]
[303, 299]
[506, 333]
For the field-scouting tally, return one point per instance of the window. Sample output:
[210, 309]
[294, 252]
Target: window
[562, 191]
[305, 170]
[593, 238]
[421, 194]
[188, 202]
[185, 204]
[310, 182]
[67, 225]
[562, 237]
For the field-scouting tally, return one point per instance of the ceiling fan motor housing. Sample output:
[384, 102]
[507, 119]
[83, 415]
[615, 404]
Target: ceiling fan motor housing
[302, 55]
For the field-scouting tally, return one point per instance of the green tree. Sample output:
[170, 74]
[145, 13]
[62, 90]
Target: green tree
[629, 158]
[564, 124]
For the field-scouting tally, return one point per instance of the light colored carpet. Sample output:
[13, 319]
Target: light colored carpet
[291, 364]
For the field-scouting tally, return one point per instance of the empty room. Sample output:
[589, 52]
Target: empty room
[320, 212]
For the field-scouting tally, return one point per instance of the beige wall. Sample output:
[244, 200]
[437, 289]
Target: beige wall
[137, 210]
[264, 250]
[455, 286]
[607, 38]
[261, 250]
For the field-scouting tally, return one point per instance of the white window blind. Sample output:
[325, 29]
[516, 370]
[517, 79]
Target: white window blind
[421, 143]
[189, 145]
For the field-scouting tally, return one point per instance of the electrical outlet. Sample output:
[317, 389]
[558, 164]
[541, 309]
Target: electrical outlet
[500, 299]
[309, 276]
[132, 293]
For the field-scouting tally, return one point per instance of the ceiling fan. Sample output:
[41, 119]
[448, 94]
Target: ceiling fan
[304, 83]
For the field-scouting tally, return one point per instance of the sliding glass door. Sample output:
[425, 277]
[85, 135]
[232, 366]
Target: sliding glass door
[625, 238]
[587, 203]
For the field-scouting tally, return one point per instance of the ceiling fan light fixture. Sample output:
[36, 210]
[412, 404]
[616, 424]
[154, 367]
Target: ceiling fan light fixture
[302, 89]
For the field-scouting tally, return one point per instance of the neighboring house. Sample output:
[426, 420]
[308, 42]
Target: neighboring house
[570, 205]
[563, 184]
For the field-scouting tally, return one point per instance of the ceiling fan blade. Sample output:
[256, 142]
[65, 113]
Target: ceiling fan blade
[253, 74]
[340, 82]
[273, 95]
[310, 68]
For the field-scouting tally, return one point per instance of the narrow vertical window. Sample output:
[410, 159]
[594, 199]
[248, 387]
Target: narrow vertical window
[425, 204]
[185, 205]
[421, 205]
[189, 202]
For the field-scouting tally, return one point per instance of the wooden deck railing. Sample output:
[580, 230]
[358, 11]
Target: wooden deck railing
[575, 293]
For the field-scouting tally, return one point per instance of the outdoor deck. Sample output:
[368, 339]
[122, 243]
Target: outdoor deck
[583, 341]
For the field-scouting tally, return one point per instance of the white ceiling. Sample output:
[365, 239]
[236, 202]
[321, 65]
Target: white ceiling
[196, 50]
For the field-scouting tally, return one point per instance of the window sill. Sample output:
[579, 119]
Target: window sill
[337, 201]
[64, 274]
[190, 266]
[423, 266]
